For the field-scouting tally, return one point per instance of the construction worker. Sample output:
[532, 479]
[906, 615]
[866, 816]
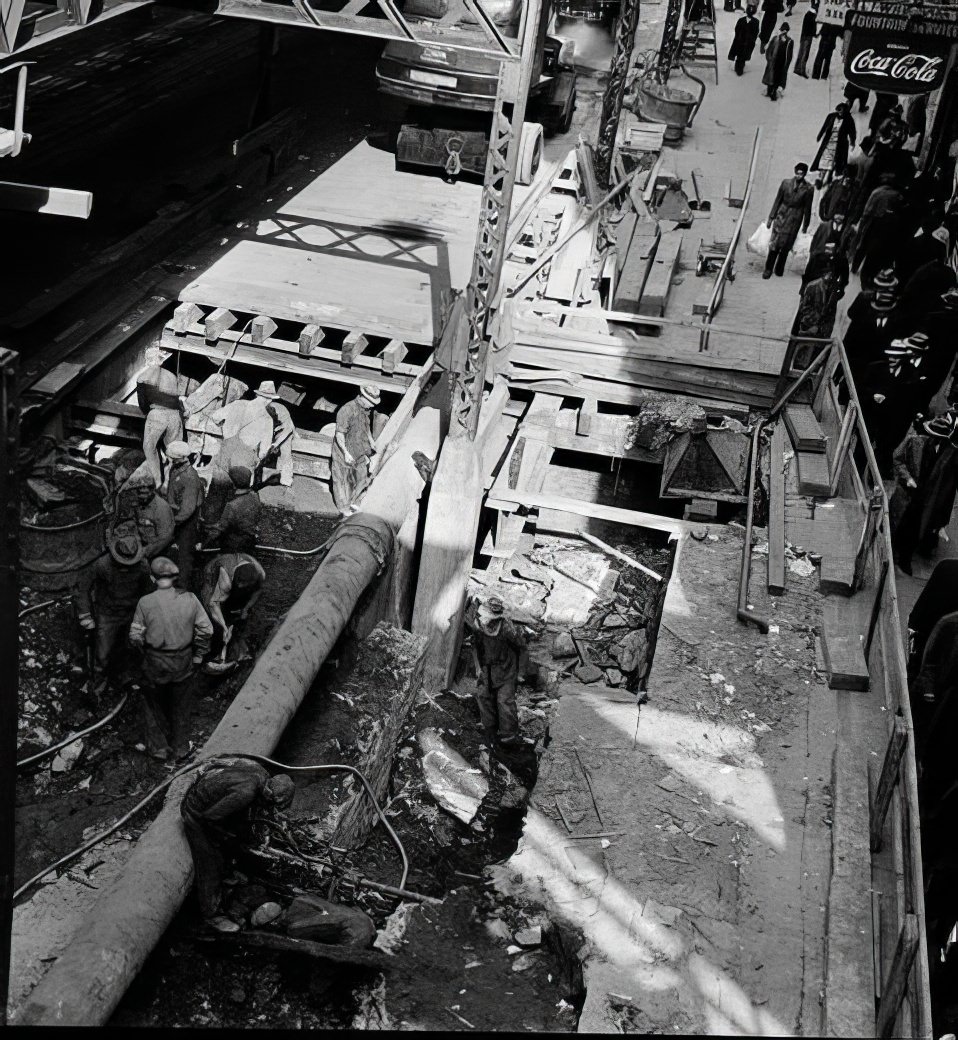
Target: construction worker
[185, 494]
[237, 529]
[215, 392]
[315, 919]
[107, 601]
[249, 421]
[498, 643]
[353, 445]
[222, 795]
[172, 630]
[151, 514]
[281, 446]
[232, 583]
[157, 394]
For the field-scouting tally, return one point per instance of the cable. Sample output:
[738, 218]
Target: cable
[43, 606]
[333, 768]
[24, 762]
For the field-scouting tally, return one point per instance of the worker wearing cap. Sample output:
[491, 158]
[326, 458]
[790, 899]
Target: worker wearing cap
[152, 515]
[157, 393]
[185, 494]
[108, 599]
[237, 529]
[232, 583]
[220, 797]
[498, 643]
[315, 919]
[281, 446]
[353, 445]
[172, 630]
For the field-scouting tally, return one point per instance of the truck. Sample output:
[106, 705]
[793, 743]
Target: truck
[452, 93]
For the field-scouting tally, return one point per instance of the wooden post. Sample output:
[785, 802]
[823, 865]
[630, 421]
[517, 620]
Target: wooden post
[876, 609]
[776, 512]
[841, 448]
[876, 507]
[9, 651]
[896, 981]
[886, 781]
[310, 338]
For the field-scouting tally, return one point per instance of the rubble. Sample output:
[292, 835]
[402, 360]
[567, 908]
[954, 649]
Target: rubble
[455, 785]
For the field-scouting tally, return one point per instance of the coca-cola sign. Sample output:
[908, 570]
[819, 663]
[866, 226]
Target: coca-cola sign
[899, 64]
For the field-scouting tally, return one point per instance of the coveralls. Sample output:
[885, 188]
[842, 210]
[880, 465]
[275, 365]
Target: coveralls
[111, 596]
[237, 529]
[498, 656]
[185, 496]
[354, 422]
[157, 396]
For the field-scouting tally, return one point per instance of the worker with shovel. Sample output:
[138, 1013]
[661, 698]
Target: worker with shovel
[108, 599]
[172, 630]
[498, 643]
[219, 800]
[353, 446]
[232, 583]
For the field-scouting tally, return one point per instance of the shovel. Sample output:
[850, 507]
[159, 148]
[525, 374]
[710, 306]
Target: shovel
[221, 666]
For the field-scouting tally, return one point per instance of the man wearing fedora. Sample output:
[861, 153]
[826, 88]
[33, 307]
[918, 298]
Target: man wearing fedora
[185, 494]
[873, 323]
[498, 642]
[172, 631]
[108, 599]
[353, 446]
[281, 445]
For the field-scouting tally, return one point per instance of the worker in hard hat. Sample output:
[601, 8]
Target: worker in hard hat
[108, 597]
[157, 394]
[237, 529]
[281, 446]
[173, 632]
[153, 517]
[232, 583]
[219, 800]
[353, 446]
[498, 644]
[185, 493]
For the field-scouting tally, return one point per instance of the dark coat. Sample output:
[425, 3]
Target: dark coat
[844, 144]
[778, 58]
[938, 598]
[836, 198]
[743, 42]
[791, 212]
[921, 294]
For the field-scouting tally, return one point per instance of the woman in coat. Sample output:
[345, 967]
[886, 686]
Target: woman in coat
[778, 58]
[743, 41]
[837, 137]
[771, 9]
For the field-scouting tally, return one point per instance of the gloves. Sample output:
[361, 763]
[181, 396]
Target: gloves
[87, 622]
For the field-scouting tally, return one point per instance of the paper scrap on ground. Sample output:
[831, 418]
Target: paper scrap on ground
[455, 785]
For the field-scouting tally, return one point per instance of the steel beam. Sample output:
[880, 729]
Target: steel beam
[9, 650]
[625, 30]
[469, 368]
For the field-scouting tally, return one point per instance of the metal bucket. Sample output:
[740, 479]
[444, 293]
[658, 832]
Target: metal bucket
[661, 103]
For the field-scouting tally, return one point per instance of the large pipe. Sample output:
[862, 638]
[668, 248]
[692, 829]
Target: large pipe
[86, 982]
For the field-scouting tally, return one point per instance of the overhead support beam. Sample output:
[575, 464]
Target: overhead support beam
[55, 202]
[625, 31]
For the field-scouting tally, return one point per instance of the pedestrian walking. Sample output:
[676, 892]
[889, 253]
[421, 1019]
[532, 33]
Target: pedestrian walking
[923, 290]
[220, 800]
[929, 464]
[791, 212]
[157, 394]
[855, 93]
[880, 246]
[353, 446]
[172, 630]
[743, 40]
[873, 323]
[886, 197]
[778, 58]
[884, 103]
[827, 255]
[185, 494]
[815, 318]
[827, 38]
[837, 137]
[498, 643]
[837, 196]
[237, 529]
[232, 583]
[938, 598]
[895, 390]
[771, 9]
[808, 33]
[107, 600]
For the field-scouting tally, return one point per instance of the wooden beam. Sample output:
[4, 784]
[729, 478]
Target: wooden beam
[56, 202]
[393, 354]
[217, 322]
[776, 512]
[353, 345]
[185, 315]
[310, 338]
[589, 408]
[896, 981]
[887, 781]
[351, 955]
[261, 328]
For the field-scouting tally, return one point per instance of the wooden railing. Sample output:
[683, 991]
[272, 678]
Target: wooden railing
[718, 289]
[904, 1007]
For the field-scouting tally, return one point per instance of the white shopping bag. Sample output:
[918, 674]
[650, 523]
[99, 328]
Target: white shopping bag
[760, 239]
[803, 245]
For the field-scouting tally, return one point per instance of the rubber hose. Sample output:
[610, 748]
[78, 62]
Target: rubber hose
[94, 841]
[23, 762]
[43, 606]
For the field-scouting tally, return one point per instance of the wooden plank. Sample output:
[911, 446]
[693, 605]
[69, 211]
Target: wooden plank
[59, 379]
[844, 656]
[261, 328]
[624, 230]
[309, 339]
[58, 202]
[804, 428]
[887, 780]
[635, 270]
[509, 501]
[393, 354]
[658, 285]
[568, 264]
[217, 322]
[776, 512]
[586, 413]
[543, 411]
[837, 575]
[353, 345]
[896, 980]
[813, 476]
